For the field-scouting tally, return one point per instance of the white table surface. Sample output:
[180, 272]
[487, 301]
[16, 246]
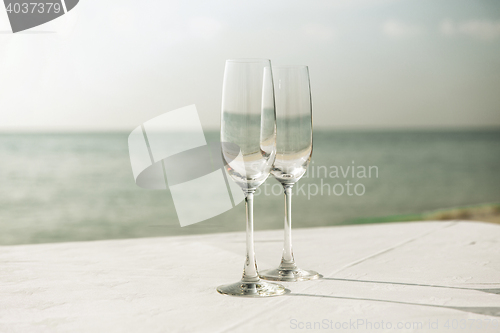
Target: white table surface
[439, 274]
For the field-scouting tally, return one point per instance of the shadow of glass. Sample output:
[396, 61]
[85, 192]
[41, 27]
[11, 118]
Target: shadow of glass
[489, 311]
[490, 291]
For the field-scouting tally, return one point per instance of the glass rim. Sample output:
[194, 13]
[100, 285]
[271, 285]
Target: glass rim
[249, 60]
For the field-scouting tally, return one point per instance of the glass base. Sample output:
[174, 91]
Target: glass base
[289, 275]
[252, 289]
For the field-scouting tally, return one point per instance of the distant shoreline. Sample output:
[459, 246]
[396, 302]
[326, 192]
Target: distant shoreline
[485, 213]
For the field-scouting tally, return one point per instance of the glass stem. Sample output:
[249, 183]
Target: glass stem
[250, 270]
[287, 261]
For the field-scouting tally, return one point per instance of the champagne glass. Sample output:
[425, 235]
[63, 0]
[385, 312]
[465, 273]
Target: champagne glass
[248, 140]
[293, 153]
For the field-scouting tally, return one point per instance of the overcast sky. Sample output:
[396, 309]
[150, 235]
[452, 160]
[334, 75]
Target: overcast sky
[111, 65]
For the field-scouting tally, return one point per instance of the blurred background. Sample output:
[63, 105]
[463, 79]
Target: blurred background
[411, 87]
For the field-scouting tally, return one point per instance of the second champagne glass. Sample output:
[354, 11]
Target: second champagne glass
[248, 138]
[294, 149]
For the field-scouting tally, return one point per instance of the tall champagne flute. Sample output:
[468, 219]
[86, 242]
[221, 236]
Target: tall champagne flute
[294, 149]
[248, 137]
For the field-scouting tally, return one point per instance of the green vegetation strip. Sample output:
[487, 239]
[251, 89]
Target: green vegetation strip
[458, 213]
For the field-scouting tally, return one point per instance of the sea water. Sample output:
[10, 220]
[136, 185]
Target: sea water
[79, 186]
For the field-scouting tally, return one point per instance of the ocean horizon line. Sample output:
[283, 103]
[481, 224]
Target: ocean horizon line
[214, 129]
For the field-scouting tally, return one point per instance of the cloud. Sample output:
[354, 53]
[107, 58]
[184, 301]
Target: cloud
[397, 29]
[123, 19]
[318, 32]
[204, 28]
[447, 27]
[189, 29]
[479, 29]
[348, 4]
